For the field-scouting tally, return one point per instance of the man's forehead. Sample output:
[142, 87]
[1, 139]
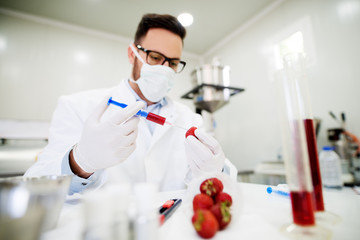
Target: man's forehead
[163, 41]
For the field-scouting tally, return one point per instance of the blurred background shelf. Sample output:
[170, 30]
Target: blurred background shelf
[21, 142]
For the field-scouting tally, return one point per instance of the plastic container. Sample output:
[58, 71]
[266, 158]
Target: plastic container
[330, 166]
[147, 220]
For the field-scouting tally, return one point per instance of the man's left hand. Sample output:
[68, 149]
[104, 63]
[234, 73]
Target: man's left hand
[204, 153]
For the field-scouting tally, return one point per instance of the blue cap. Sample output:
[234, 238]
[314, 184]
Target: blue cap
[328, 148]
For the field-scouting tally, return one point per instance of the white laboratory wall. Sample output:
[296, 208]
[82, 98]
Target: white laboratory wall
[248, 127]
[41, 60]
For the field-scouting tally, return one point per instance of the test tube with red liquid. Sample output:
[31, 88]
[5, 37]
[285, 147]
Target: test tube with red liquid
[295, 151]
[294, 65]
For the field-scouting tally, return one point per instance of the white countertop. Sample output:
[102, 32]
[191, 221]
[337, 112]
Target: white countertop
[259, 216]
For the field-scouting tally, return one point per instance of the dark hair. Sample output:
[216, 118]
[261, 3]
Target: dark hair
[165, 21]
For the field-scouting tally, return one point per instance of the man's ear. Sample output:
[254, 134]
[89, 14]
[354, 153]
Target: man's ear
[131, 56]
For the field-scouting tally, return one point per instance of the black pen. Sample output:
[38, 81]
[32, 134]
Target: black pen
[168, 208]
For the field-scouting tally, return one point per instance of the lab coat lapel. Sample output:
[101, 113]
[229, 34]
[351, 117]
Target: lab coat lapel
[120, 93]
[169, 113]
[154, 171]
[123, 93]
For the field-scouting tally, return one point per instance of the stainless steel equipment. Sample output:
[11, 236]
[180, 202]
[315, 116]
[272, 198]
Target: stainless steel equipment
[341, 144]
[212, 89]
[348, 151]
[30, 205]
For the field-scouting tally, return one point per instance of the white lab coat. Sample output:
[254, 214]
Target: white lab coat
[158, 158]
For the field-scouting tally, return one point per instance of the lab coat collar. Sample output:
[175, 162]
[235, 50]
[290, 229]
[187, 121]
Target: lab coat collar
[122, 92]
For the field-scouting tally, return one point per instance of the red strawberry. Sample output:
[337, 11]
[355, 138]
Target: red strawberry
[211, 186]
[202, 201]
[205, 223]
[223, 197]
[191, 131]
[222, 214]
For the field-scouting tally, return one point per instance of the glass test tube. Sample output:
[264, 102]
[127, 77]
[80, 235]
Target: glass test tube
[295, 68]
[295, 152]
[294, 65]
[296, 158]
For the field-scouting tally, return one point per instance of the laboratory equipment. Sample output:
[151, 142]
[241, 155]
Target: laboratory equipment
[98, 214]
[295, 150]
[294, 65]
[330, 167]
[31, 205]
[20, 216]
[280, 189]
[211, 87]
[337, 139]
[120, 196]
[147, 115]
[347, 146]
[211, 90]
[146, 221]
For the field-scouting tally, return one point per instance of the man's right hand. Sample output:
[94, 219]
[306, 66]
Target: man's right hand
[106, 143]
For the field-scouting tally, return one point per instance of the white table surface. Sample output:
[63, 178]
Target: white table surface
[258, 216]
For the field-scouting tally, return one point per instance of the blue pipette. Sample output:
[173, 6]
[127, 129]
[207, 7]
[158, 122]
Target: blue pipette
[280, 190]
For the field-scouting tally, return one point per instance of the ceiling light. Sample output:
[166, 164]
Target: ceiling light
[186, 19]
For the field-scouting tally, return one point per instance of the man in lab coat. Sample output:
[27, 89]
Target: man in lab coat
[99, 143]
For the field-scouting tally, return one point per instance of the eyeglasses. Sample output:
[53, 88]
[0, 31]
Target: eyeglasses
[156, 58]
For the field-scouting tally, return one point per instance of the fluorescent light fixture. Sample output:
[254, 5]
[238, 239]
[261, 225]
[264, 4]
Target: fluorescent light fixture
[186, 19]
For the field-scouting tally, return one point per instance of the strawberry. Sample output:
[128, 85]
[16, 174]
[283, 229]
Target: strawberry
[191, 131]
[202, 201]
[223, 198]
[205, 223]
[211, 186]
[222, 214]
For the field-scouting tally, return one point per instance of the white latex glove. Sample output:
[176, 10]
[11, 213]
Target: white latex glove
[106, 143]
[204, 154]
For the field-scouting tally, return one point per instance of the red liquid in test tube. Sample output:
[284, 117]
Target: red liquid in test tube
[314, 165]
[302, 208]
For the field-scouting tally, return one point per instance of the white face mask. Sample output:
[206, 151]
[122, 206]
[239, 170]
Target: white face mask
[155, 80]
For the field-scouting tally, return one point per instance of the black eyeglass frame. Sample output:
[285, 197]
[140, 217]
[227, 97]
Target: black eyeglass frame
[147, 51]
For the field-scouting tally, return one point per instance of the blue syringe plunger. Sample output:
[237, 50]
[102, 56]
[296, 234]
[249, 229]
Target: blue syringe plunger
[140, 113]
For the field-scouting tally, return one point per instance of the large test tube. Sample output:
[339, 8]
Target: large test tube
[296, 158]
[295, 152]
[294, 65]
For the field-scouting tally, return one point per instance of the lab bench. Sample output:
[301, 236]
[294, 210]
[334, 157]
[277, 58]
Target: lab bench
[267, 172]
[20, 143]
[16, 156]
[260, 216]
